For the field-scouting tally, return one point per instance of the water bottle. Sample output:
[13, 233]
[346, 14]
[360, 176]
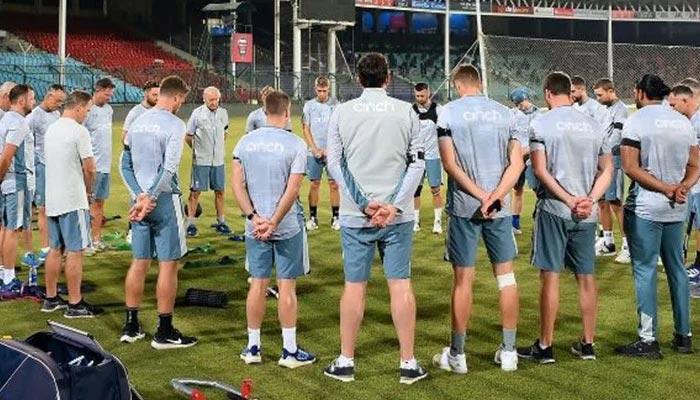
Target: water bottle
[32, 276]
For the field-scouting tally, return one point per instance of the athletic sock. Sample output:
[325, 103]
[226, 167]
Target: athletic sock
[457, 343]
[45, 249]
[516, 221]
[221, 219]
[624, 243]
[8, 275]
[409, 364]
[609, 240]
[165, 322]
[74, 305]
[417, 216]
[2, 274]
[509, 339]
[289, 339]
[253, 338]
[190, 221]
[313, 210]
[438, 214]
[335, 211]
[132, 316]
[345, 361]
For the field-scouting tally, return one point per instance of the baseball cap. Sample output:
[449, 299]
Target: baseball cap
[519, 95]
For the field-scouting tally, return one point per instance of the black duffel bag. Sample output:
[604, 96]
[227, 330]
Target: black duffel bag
[63, 364]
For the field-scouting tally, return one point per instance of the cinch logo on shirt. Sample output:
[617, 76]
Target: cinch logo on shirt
[145, 128]
[384, 106]
[489, 116]
[322, 119]
[574, 126]
[264, 147]
[669, 124]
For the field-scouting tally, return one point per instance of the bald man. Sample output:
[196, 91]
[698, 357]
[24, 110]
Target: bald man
[5, 97]
[206, 131]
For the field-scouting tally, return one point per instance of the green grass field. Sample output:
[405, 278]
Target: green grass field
[222, 332]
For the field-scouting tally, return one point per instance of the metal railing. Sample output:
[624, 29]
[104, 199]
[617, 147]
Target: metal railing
[244, 89]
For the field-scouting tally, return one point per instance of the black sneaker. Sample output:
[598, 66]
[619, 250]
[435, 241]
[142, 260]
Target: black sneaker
[537, 353]
[343, 374]
[585, 351]
[51, 305]
[173, 339]
[409, 376]
[131, 333]
[682, 344]
[640, 349]
[82, 310]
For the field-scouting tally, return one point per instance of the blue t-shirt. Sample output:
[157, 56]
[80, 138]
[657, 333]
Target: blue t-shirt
[269, 156]
[14, 129]
[99, 124]
[663, 137]
[39, 120]
[155, 141]
[481, 130]
[317, 115]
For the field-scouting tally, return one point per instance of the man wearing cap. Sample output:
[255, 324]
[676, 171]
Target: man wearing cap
[525, 112]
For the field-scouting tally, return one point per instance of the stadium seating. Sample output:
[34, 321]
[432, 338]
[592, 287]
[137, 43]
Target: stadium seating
[100, 44]
[41, 70]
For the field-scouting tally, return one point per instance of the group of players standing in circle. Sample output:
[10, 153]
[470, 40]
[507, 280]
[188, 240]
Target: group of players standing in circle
[376, 151]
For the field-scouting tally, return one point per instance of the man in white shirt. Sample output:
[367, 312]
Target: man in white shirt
[70, 180]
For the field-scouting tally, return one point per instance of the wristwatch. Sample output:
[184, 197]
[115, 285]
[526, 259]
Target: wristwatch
[252, 215]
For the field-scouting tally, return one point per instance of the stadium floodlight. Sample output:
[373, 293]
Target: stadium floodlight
[223, 7]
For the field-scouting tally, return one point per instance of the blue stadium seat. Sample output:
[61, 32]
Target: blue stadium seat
[40, 70]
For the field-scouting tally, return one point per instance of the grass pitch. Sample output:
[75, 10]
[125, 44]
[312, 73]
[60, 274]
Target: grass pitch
[222, 332]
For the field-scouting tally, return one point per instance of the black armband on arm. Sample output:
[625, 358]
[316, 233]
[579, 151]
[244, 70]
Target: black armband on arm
[631, 143]
[415, 157]
[442, 132]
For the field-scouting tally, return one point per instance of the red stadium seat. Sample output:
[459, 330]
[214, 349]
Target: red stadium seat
[101, 44]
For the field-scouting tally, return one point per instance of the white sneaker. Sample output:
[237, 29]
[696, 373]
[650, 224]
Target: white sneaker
[599, 245]
[508, 360]
[128, 237]
[89, 251]
[437, 227]
[311, 224]
[251, 355]
[416, 226]
[517, 231]
[695, 291]
[659, 262]
[335, 224]
[99, 246]
[445, 361]
[623, 257]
